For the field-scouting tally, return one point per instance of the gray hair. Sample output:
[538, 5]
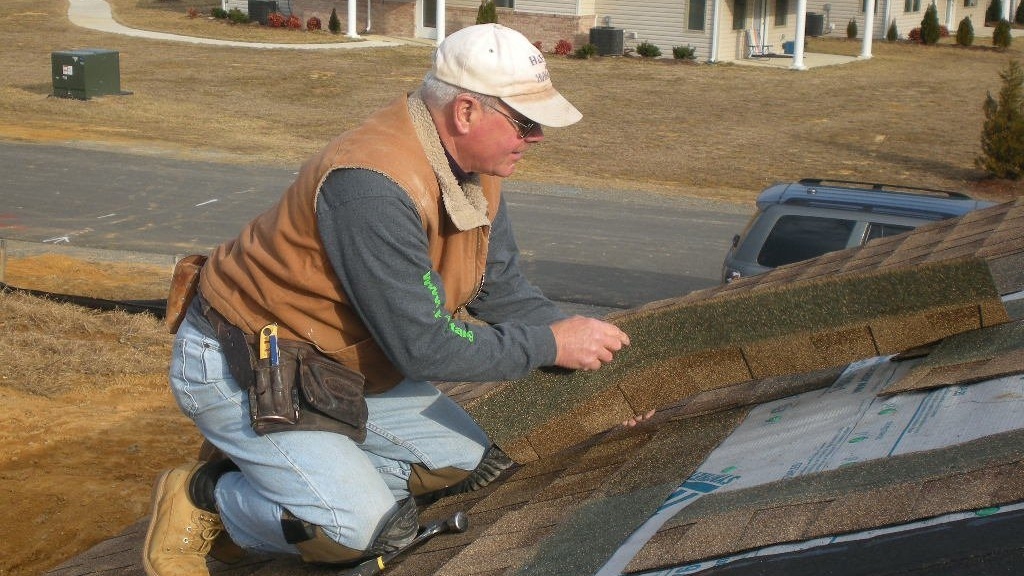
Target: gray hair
[438, 93]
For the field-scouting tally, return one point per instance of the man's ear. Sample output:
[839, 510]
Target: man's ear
[464, 112]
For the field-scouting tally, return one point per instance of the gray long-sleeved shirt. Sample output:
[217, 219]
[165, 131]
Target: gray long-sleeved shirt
[377, 245]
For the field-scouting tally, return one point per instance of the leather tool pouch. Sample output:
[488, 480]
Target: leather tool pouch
[184, 283]
[305, 391]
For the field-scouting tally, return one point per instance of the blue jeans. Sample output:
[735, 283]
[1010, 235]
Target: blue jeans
[324, 478]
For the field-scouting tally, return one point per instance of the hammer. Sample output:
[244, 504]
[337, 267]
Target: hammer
[459, 522]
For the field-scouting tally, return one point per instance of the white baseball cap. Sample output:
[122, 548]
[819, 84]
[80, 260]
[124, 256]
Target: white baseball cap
[498, 61]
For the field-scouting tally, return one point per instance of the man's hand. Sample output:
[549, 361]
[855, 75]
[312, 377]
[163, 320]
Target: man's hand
[586, 343]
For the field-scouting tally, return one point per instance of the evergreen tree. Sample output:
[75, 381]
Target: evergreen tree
[930, 25]
[1002, 135]
[893, 34]
[334, 24]
[1018, 16]
[487, 13]
[1001, 37]
[965, 32]
[994, 13]
[851, 29]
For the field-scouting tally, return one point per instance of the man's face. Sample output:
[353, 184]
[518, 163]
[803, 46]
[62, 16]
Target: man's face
[499, 139]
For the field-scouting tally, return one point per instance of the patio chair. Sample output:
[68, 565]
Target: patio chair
[756, 48]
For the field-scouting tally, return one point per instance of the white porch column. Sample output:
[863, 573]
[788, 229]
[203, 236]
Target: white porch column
[869, 30]
[798, 42]
[713, 57]
[352, 20]
[440, 20]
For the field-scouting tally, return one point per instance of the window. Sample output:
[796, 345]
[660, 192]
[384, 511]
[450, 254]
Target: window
[864, 6]
[970, 3]
[696, 15]
[739, 15]
[911, 5]
[505, 3]
[876, 230]
[796, 238]
[781, 12]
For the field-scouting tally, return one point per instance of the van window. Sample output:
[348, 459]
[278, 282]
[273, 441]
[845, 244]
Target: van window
[876, 230]
[796, 238]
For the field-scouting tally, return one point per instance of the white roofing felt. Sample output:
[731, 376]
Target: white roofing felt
[826, 429]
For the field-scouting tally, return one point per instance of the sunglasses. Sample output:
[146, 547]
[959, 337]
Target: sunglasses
[523, 129]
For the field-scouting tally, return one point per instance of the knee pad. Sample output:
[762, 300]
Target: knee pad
[450, 481]
[396, 531]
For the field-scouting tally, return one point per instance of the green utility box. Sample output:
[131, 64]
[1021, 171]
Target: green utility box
[83, 74]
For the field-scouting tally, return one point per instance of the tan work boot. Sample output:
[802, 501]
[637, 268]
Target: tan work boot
[180, 534]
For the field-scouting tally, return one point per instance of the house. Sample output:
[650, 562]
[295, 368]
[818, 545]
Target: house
[718, 30]
[906, 14]
[937, 312]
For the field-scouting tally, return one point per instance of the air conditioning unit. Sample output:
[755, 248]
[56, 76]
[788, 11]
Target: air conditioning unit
[608, 40]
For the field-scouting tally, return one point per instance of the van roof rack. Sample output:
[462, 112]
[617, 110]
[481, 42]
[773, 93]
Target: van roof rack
[891, 188]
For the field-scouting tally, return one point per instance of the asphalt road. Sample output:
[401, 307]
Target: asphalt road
[596, 248]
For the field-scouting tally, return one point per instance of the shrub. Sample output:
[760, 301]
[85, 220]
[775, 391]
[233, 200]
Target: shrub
[585, 51]
[1002, 134]
[1018, 16]
[1001, 35]
[314, 23]
[487, 13]
[294, 23]
[219, 13]
[851, 29]
[684, 52]
[930, 25]
[915, 35]
[893, 34]
[236, 16]
[648, 50]
[192, 12]
[563, 47]
[965, 32]
[538, 45]
[276, 20]
[994, 12]
[334, 25]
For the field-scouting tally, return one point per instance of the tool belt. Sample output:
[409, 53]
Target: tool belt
[296, 388]
[292, 386]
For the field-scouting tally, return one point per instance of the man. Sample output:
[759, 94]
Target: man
[356, 284]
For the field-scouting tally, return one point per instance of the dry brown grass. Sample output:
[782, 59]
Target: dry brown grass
[910, 115]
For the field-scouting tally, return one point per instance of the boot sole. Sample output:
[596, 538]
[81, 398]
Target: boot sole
[158, 489]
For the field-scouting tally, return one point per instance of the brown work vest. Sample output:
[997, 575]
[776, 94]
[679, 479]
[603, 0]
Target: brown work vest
[276, 270]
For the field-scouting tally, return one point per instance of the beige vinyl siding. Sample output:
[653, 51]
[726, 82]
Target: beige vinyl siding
[557, 7]
[663, 24]
[843, 10]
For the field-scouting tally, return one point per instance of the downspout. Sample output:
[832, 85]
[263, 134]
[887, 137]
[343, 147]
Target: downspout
[714, 32]
[887, 14]
[369, 18]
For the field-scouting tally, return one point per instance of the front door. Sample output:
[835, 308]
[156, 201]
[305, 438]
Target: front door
[426, 19]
